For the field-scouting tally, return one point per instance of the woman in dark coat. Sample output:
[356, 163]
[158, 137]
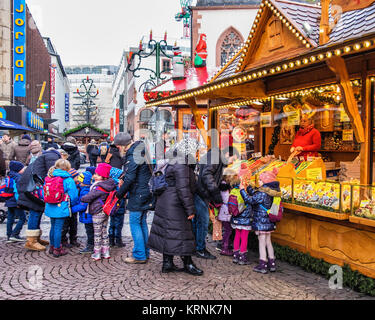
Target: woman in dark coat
[93, 152]
[171, 232]
[70, 146]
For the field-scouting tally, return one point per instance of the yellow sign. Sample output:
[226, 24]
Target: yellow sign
[293, 118]
[343, 116]
[347, 135]
[314, 174]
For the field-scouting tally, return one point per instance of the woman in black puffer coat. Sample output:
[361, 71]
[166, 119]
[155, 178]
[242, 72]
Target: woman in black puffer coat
[171, 232]
[70, 146]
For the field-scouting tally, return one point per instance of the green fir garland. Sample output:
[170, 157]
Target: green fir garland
[82, 126]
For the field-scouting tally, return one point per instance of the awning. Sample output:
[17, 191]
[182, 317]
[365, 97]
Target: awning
[9, 125]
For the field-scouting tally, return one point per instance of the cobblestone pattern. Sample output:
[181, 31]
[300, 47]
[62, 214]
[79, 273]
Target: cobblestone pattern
[77, 277]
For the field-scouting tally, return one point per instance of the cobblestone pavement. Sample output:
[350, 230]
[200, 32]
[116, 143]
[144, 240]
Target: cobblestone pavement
[40, 276]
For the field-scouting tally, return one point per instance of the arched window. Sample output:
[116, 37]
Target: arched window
[146, 115]
[166, 116]
[228, 44]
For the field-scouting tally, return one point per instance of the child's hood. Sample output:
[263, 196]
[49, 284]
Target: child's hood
[272, 189]
[61, 173]
[108, 185]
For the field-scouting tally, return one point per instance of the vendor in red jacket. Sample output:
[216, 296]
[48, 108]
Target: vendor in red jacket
[307, 141]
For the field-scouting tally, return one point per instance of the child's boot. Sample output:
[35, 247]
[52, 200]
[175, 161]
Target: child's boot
[88, 249]
[32, 241]
[236, 255]
[96, 255]
[271, 265]
[119, 243]
[105, 253]
[225, 251]
[51, 248]
[63, 251]
[261, 267]
[242, 260]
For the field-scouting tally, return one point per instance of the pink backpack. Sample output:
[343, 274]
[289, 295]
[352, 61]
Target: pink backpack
[54, 190]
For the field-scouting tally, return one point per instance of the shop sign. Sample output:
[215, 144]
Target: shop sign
[19, 48]
[239, 134]
[53, 88]
[265, 120]
[66, 107]
[41, 110]
[122, 115]
[293, 118]
[347, 135]
[34, 121]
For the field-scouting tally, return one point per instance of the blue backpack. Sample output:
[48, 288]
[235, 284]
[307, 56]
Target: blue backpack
[157, 183]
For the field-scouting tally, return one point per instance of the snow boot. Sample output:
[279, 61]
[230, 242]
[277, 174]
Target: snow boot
[242, 260]
[236, 256]
[105, 253]
[32, 241]
[271, 265]
[51, 248]
[261, 267]
[42, 242]
[96, 255]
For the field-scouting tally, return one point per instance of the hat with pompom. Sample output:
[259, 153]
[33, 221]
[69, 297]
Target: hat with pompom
[269, 176]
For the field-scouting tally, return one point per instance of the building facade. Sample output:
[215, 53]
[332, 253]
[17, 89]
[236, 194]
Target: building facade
[102, 77]
[5, 52]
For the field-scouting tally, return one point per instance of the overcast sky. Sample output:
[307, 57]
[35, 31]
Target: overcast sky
[96, 31]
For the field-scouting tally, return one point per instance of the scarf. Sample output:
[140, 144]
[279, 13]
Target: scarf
[306, 130]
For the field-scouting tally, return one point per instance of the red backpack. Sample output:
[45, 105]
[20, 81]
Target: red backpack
[112, 203]
[54, 190]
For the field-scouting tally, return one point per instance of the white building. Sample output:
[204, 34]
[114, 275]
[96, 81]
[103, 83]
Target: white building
[102, 77]
[226, 24]
[60, 90]
[131, 87]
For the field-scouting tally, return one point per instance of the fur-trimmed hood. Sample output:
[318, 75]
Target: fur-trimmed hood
[272, 189]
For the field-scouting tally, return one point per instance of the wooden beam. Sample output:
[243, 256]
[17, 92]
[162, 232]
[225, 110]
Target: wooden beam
[338, 66]
[198, 120]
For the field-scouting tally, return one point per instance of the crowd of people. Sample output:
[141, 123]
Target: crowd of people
[48, 181]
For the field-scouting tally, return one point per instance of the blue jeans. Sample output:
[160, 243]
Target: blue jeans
[200, 222]
[117, 222]
[34, 220]
[12, 214]
[139, 231]
[55, 233]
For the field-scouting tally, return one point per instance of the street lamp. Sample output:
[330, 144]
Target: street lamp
[88, 93]
[156, 75]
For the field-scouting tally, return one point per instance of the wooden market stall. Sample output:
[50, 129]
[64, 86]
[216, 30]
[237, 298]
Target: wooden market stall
[300, 60]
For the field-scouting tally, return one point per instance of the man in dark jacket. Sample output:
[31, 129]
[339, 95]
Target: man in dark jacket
[140, 199]
[70, 146]
[37, 172]
[210, 175]
[51, 144]
[93, 152]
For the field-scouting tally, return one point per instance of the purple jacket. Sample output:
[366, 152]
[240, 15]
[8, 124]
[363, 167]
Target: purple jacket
[96, 198]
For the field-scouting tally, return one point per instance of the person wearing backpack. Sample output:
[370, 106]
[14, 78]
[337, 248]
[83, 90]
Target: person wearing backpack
[60, 193]
[16, 169]
[70, 224]
[261, 201]
[116, 221]
[96, 199]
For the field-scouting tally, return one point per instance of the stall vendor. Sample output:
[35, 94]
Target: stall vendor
[307, 141]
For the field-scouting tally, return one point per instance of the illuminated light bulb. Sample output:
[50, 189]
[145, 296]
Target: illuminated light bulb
[249, 77]
[254, 75]
[298, 63]
[293, 30]
[291, 65]
[278, 68]
[297, 34]
[272, 70]
[367, 44]
[305, 61]
[337, 52]
[357, 46]
[287, 23]
[347, 49]
[300, 37]
[313, 58]
[304, 41]
[290, 27]
[259, 74]
[284, 20]
[264, 72]
[321, 56]
[308, 45]
[329, 54]
[244, 79]
[285, 66]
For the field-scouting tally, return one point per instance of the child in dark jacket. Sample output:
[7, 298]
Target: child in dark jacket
[81, 208]
[16, 168]
[261, 200]
[96, 198]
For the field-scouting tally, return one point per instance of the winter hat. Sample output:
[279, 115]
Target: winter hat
[35, 147]
[91, 170]
[16, 166]
[74, 173]
[269, 176]
[103, 170]
[71, 140]
[115, 174]
[87, 178]
[122, 139]
[26, 136]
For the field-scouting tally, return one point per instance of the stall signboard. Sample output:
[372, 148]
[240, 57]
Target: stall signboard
[314, 174]
[347, 135]
[19, 48]
[66, 107]
[34, 121]
[265, 120]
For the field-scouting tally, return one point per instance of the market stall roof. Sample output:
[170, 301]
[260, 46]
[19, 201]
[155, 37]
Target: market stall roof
[9, 125]
[245, 72]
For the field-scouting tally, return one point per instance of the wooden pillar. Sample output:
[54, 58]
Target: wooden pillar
[198, 120]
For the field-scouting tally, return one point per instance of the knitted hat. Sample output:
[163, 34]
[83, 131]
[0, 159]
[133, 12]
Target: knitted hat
[74, 173]
[26, 136]
[87, 178]
[103, 170]
[115, 174]
[71, 140]
[269, 176]
[122, 139]
[91, 170]
[16, 166]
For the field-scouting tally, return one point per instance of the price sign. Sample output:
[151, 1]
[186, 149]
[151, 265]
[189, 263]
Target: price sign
[314, 174]
[293, 118]
[343, 116]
